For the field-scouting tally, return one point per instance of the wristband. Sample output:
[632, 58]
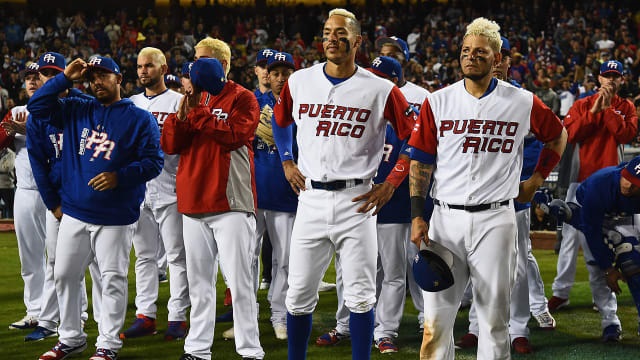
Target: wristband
[417, 206]
[399, 172]
[547, 160]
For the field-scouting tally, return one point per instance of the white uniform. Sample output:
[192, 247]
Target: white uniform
[476, 146]
[334, 120]
[160, 224]
[29, 214]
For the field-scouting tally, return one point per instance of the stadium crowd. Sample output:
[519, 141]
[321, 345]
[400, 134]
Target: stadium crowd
[561, 50]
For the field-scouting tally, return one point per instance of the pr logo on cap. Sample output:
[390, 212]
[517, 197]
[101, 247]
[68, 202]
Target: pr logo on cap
[49, 58]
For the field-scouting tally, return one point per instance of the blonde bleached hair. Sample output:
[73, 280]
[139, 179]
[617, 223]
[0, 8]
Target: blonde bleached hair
[156, 54]
[487, 28]
[351, 18]
[219, 50]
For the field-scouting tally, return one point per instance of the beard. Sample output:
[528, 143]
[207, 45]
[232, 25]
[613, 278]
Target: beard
[151, 82]
[476, 77]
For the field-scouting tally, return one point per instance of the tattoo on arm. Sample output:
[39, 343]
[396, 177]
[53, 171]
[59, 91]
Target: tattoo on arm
[419, 178]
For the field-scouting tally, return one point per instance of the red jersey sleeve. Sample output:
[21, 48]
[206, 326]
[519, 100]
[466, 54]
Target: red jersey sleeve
[399, 113]
[621, 120]
[424, 134]
[544, 123]
[284, 107]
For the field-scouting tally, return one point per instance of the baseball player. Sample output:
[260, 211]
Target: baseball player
[265, 97]
[44, 145]
[111, 150]
[397, 48]
[28, 208]
[160, 223]
[599, 125]
[477, 157]
[184, 77]
[339, 108]
[215, 186]
[173, 82]
[606, 203]
[393, 226]
[277, 202]
[527, 295]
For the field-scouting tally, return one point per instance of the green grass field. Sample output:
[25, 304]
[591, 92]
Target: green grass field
[576, 337]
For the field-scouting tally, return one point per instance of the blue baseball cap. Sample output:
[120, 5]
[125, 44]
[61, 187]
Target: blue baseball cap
[280, 59]
[103, 63]
[395, 41]
[32, 68]
[170, 79]
[432, 268]
[631, 172]
[263, 56]
[186, 67]
[208, 74]
[52, 60]
[611, 66]
[505, 45]
[387, 67]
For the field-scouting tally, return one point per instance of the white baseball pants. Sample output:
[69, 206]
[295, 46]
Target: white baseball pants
[484, 248]
[572, 241]
[328, 221]
[154, 228]
[29, 219]
[231, 235]
[78, 243]
[279, 225]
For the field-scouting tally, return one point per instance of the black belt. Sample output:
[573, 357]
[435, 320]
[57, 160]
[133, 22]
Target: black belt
[336, 184]
[472, 208]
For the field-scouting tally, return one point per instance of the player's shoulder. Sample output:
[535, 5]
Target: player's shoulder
[307, 72]
[414, 88]
[507, 89]
[172, 94]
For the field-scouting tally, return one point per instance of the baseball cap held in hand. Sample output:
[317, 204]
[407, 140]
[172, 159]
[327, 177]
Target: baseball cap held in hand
[208, 74]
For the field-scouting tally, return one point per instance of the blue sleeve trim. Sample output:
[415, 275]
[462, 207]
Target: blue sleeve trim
[422, 156]
[284, 140]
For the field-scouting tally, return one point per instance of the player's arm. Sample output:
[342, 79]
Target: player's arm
[423, 144]
[6, 138]
[37, 142]
[401, 115]
[45, 104]
[623, 126]
[580, 122]
[148, 154]
[284, 107]
[283, 137]
[232, 132]
[548, 129]
[176, 135]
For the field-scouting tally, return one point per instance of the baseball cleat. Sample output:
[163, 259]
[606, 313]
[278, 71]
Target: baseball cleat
[545, 321]
[162, 278]
[557, 303]
[62, 351]
[104, 354]
[612, 333]
[281, 331]
[186, 356]
[521, 345]
[468, 341]
[229, 334]
[226, 317]
[325, 286]
[265, 284]
[27, 322]
[40, 333]
[176, 330]
[386, 345]
[143, 326]
[331, 338]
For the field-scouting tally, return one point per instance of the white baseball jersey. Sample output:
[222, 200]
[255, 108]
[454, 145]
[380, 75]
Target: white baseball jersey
[414, 94]
[341, 128]
[161, 190]
[24, 175]
[487, 135]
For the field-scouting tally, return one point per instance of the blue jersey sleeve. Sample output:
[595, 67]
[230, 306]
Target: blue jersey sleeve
[45, 105]
[284, 140]
[594, 197]
[40, 159]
